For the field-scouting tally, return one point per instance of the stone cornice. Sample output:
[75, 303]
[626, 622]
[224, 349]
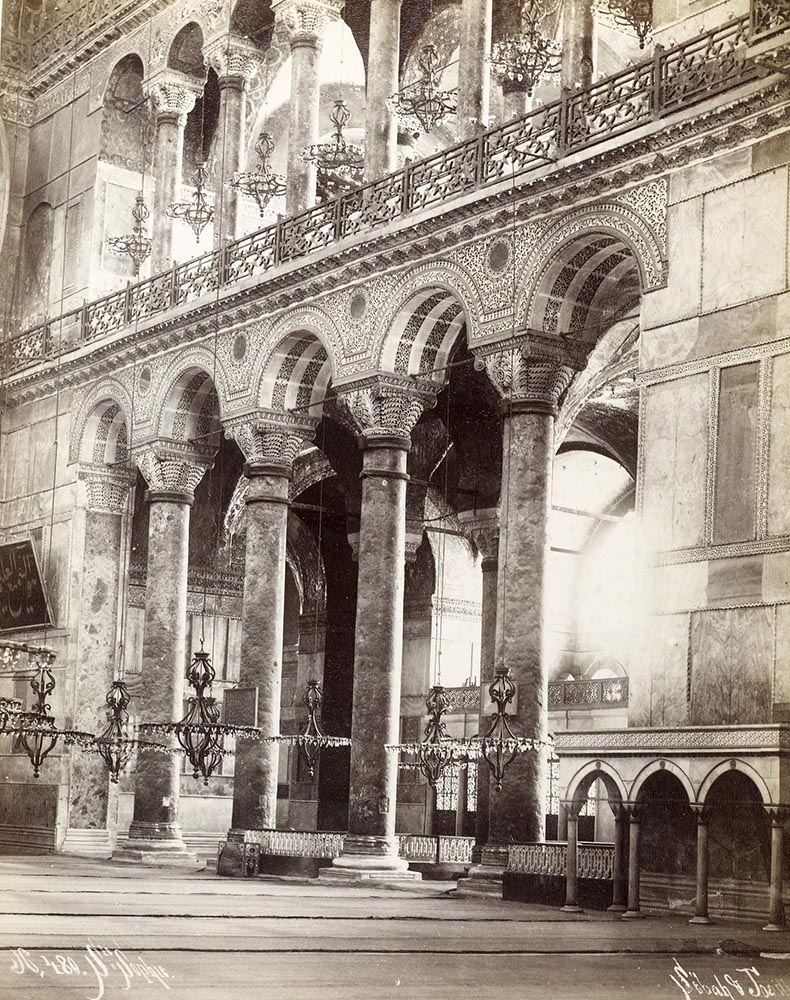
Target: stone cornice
[590, 178]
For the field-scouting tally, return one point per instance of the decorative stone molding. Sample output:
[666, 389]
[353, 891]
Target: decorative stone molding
[306, 19]
[482, 528]
[535, 371]
[267, 437]
[107, 489]
[233, 56]
[173, 466]
[173, 93]
[387, 404]
[763, 739]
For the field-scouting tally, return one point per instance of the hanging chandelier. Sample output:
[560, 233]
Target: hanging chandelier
[200, 733]
[339, 162]
[35, 732]
[261, 184]
[421, 105]
[197, 213]
[635, 15]
[499, 746]
[437, 751]
[10, 708]
[136, 244]
[521, 61]
[312, 739]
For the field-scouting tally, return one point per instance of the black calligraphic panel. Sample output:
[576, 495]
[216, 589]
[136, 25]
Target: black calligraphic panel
[22, 599]
[241, 707]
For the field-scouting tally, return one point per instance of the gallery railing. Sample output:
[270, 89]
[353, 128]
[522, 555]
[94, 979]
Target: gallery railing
[768, 17]
[674, 78]
[320, 844]
[609, 692]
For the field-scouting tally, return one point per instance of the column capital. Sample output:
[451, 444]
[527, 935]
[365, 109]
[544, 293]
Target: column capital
[173, 93]
[532, 372]
[270, 440]
[173, 467]
[386, 406]
[233, 57]
[305, 20]
[107, 487]
[482, 528]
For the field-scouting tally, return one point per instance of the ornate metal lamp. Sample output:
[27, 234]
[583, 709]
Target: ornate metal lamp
[636, 15]
[421, 105]
[35, 732]
[339, 162]
[521, 61]
[312, 739]
[261, 184]
[499, 746]
[437, 751]
[9, 709]
[197, 213]
[200, 733]
[136, 244]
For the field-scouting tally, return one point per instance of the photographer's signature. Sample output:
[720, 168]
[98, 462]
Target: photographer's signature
[103, 965]
[744, 982]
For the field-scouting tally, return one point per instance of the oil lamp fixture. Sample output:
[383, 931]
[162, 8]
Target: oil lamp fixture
[261, 184]
[635, 15]
[339, 163]
[312, 739]
[521, 61]
[421, 105]
[437, 751]
[136, 244]
[197, 213]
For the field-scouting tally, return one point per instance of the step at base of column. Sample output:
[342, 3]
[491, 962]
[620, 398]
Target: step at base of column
[356, 876]
[172, 855]
[87, 843]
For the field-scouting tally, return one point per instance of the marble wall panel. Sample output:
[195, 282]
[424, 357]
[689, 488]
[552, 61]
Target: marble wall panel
[781, 686]
[38, 161]
[681, 587]
[736, 449]
[731, 666]
[776, 577]
[745, 237]
[735, 581]
[657, 679]
[771, 152]
[680, 299]
[779, 449]
[699, 178]
[675, 461]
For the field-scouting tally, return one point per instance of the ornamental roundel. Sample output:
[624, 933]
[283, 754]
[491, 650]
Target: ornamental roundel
[239, 349]
[358, 305]
[499, 256]
[144, 380]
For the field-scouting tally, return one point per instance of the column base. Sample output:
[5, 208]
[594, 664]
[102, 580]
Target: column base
[775, 927]
[483, 880]
[633, 915]
[157, 844]
[700, 920]
[571, 908]
[366, 859]
[615, 908]
[87, 843]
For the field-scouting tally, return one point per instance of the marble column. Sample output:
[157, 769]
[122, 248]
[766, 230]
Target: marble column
[305, 23]
[482, 527]
[701, 900]
[618, 863]
[532, 377]
[172, 471]
[269, 442]
[572, 860]
[577, 42]
[634, 818]
[105, 523]
[174, 95]
[234, 60]
[776, 915]
[381, 126]
[474, 74]
[385, 409]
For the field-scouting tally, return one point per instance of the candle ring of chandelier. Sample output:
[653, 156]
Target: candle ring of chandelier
[261, 184]
[197, 213]
[437, 751]
[200, 733]
[312, 739]
[421, 105]
[521, 61]
[339, 163]
[136, 244]
[34, 730]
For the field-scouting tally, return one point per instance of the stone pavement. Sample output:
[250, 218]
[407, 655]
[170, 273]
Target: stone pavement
[88, 930]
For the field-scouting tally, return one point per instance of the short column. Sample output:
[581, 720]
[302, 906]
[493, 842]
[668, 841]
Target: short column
[619, 883]
[572, 860]
[633, 911]
[270, 443]
[701, 902]
[577, 37]
[381, 127]
[155, 832]
[776, 916]
[475, 75]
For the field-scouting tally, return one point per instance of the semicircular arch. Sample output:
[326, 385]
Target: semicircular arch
[657, 767]
[82, 436]
[741, 766]
[579, 785]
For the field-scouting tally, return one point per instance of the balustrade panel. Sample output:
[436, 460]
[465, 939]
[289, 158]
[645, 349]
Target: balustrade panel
[147, 298]
[705, 66]
[609, 107]
[443, 175]
[521, 145]
[197, 277]
[251, 255]
[105, 316]
[769, 17]
[308, 232]
[373, 205]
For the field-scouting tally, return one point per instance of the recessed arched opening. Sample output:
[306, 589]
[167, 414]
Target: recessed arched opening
[191, 409]
[739, 829]
[296, 375]
[105, 437]
[35, 273]
[253, 20]
[186, 51]
[668, 825]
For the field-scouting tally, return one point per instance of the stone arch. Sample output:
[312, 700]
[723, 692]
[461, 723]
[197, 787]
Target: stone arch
[566, 282]
[297, 370]
[580, 783]
[190, 408]
[734, 764]
[185, 51]
[310, 467]
[435, 301]
[85, 431]
[656, 767]
[165, 380]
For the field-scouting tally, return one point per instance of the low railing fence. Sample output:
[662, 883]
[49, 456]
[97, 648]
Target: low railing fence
[609, 692]
[675, 78]
[594, 860]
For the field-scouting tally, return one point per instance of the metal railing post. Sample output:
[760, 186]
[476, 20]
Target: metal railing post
[656, 81]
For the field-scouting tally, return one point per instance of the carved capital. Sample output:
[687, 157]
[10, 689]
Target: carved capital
[533, 371]
[305, 20]
[173, 466]
[107, 488]
[482, 529]
[233, 56]
[270, 437]
[387, 405]
[173, 93]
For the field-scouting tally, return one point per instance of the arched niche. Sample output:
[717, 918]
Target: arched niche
[36, 265]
